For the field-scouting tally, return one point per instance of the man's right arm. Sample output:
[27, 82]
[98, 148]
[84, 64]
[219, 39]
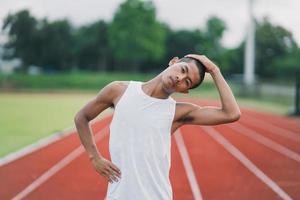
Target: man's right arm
[104, 99]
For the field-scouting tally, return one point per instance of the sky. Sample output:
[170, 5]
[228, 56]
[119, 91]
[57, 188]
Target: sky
[187, 14]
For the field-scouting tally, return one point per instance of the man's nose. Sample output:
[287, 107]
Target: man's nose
[179, 77]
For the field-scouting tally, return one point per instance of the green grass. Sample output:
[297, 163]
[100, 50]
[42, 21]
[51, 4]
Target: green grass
[272, 104]
[25, 117]
[62, 81]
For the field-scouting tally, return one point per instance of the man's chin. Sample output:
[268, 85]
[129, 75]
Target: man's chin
[169, 89]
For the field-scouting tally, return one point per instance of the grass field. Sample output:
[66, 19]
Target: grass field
[26, 117]
[70, 81]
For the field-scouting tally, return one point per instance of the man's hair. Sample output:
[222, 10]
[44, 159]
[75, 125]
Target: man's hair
[200, 66]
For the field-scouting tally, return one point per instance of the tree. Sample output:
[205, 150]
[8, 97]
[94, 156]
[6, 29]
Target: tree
[38, 42]
[277, 54]
[288, 65]
[182, 42]
[21, 29]
[213, 34]
[54, 42]
[232, 60]
[135, 36]
[208, 41]
[91, 50]
[274, 47]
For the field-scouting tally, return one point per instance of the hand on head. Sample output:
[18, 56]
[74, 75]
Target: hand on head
[209, 65]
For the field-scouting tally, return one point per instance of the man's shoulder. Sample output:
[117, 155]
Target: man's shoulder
[117, 88]
[120, 83]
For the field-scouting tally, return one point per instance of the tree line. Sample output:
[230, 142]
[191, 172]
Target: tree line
[136, 41]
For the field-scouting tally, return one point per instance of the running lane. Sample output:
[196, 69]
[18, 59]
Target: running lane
[219, 174]
[288, 123]
[79, 180]
[18, 174]
[274, 135]
[178, 177]
[281, 169]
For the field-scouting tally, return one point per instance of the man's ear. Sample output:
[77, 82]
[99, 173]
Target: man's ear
[173, 60]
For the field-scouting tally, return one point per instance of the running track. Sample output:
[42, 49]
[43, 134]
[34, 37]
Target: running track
[257, 157]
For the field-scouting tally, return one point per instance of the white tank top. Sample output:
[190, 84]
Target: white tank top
[140, 144]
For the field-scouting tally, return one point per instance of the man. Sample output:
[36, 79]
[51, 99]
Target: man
[144, 118]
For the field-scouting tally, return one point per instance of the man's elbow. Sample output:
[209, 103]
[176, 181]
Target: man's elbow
[79, 118]
[234, 116]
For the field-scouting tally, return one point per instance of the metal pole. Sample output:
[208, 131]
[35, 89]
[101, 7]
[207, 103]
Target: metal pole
[297, 97]
[249, 61]
[296, 111]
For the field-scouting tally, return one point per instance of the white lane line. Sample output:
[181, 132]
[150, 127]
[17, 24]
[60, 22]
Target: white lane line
[35, 146]
[187, 166]
[58, 166]
[265, 141]
[246, 162]
[38, 145]
[272, 128]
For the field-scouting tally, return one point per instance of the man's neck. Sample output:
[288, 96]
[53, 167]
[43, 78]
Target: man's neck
[155, 88]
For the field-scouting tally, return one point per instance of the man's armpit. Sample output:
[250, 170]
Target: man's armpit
[186, 119]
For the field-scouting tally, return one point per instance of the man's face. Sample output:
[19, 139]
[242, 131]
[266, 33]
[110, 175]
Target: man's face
[180, 76]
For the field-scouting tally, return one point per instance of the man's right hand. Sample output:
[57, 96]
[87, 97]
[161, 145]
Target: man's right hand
[106, 169]
[210, 67]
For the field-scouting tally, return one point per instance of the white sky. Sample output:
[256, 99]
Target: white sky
[177, 13]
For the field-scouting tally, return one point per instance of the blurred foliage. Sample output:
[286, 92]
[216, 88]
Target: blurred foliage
[136, 41]
[74, 80]
[90, 47]
[135, 35]
[277, 52]
[38, 42]
[21, 28]
[79, 80]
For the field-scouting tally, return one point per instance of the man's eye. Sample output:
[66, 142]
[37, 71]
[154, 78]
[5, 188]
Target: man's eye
[182, 70]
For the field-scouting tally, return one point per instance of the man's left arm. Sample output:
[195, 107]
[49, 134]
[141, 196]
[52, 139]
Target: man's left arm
[210, 115]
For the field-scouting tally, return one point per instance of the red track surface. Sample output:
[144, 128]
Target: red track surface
[218, 173]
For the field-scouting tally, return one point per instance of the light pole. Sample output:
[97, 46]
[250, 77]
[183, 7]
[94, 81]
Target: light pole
[249, 56]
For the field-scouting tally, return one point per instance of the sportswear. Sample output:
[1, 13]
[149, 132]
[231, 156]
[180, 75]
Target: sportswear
[140, 145]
